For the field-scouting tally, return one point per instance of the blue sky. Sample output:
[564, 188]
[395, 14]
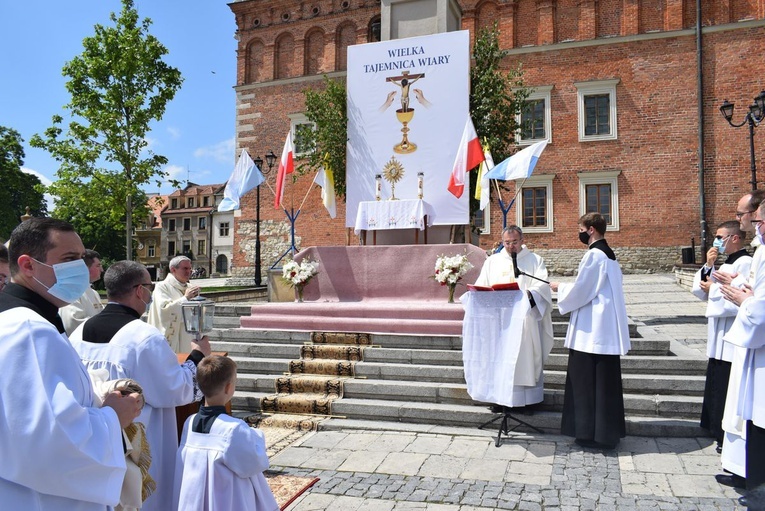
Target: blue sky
[197, 132]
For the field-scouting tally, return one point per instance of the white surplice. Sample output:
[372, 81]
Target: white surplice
[140, 352]
[165, 313]
[59, 451]
[734, 422]
[524, 367]
[77, 312]
[222, 470]
[721, 312]
[598, 322]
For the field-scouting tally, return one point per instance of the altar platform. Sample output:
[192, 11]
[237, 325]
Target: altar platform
[373, 289]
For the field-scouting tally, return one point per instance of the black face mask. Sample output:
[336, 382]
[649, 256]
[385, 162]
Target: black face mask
[584, 237]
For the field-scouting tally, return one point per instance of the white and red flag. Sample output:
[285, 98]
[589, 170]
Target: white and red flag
[286, 166]
[469, 154]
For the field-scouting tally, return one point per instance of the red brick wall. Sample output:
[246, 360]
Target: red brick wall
[656, 150]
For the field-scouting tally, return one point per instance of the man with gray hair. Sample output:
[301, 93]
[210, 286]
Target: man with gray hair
[118, 341]
[165, 312]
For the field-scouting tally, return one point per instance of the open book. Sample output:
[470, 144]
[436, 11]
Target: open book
[496, 287]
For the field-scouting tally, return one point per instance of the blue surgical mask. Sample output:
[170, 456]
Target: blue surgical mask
[719, 244]
[148, 304]
[72, 280]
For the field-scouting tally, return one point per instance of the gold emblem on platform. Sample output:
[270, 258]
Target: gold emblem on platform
[393, 171]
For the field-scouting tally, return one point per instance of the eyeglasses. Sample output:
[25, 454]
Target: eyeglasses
[739, 214]
[718, 237]
[149, 286]
[4, 279]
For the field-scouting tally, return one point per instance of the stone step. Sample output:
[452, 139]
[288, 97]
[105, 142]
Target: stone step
[236, 340]
[348, 410]
[252, 372]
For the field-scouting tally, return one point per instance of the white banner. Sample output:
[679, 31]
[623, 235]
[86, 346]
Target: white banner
[407, 104]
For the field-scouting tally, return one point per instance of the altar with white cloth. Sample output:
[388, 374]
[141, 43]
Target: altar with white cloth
[392, 214]
[491, 341]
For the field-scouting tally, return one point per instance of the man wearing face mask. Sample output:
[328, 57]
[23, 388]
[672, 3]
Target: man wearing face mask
[60, 450]
[729, 240]
[598, 334]
[89, 304]
[117, 340]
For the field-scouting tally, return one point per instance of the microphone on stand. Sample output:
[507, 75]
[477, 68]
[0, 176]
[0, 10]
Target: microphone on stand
[517, 270]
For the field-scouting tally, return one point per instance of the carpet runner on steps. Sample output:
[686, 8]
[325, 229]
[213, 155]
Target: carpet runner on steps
[316, 380]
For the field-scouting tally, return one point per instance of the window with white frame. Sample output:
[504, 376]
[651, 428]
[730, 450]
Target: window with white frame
[223, 230]
[534, 205]
[201, 247]
[299, 127]
[482, 219]
[596, 106]
[202, 223]
[599, 192]
[151, 251]
[187, 224]
[171, 249]
[171, 225]
[535, 118]
[190, 202]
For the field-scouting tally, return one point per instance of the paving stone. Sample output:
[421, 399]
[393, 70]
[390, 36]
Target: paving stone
[491, 470]
[391, 442]
[324, 439]
[442, 466]
[404, 463]
[468, 447]
[366, 461]
[429, 444]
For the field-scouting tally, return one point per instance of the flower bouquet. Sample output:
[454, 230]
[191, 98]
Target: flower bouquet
[297, 275]
[450, 270]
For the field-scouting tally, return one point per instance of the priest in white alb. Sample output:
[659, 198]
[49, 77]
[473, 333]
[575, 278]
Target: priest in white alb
[536, 336]
[165, 313]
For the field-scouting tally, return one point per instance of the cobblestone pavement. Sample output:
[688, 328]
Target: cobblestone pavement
[393, 466]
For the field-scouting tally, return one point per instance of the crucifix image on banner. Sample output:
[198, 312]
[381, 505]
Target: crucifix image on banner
[407, 104]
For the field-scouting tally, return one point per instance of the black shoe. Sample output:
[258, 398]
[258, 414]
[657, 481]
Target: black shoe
[497, 409]
[719, 449]
[731, 480]
[743, 501]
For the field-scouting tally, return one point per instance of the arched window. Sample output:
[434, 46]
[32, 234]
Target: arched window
[314, 52]
[374, 30]
[284, 55]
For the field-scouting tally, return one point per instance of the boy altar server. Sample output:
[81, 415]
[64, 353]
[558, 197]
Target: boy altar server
[118, 341]
[60, 451]
[593, 403]
[221, 459]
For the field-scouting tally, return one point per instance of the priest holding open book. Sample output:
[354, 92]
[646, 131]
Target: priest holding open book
[516, 263]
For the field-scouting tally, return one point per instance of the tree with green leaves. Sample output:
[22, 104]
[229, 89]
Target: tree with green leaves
[326, 143]
[19, 190]
[118, 85]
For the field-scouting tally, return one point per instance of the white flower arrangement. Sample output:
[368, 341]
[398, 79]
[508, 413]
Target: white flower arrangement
[299, 274]
[451, 269]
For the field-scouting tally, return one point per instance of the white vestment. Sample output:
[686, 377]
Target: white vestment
[77, 312]
[59, 452]
[537, 333]
[140, 352]
[734, 422]
[598, 322]
[222, 470]
[166, 315]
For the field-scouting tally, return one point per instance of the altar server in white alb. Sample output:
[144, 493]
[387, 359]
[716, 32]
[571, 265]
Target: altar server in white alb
[165, 313]
[537, 334]
[118, 341]
[730, 240]
[89, 304]
[733, 457]
[221, 459]
[598, 334]
[59, 450]
[748, 332]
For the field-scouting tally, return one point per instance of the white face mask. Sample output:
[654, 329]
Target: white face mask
[72, 280]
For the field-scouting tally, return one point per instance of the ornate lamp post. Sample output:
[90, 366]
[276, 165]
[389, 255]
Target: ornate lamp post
[755, 116]
[270, 159]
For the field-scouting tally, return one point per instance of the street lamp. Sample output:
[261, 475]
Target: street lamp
[755, 116]
[270, 159]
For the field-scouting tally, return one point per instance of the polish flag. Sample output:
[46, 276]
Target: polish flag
[469, 154]
[286, 166]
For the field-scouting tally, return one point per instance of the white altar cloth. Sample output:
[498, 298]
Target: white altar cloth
[491, 340]
[390, 214]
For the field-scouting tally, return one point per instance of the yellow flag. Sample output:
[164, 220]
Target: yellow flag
[482, 187]
[326, 180]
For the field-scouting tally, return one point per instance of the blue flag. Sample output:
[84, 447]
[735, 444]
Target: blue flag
[245, 177]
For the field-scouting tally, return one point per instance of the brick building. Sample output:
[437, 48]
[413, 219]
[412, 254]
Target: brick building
[616, 92]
